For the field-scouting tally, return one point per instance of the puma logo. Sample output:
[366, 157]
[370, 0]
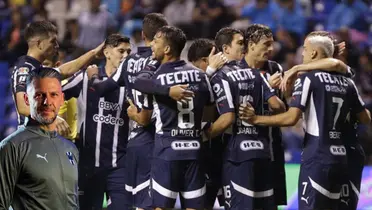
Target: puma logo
[345, 202]
[42, 157]
[305, 199]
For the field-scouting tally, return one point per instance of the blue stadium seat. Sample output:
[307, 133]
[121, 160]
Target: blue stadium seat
[4, 70]
[3, 93]
[321, 10]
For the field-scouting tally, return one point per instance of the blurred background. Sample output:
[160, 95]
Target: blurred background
[84, 24]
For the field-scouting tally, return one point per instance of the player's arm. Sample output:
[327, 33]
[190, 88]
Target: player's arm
[215, 62]
[73, 66]
[225, 105]
[364, 117]
[142, 117]
[298, 104]
[276, 105]
[101, 87]
[146, 84]
[73, 86]
[9, 172]
[223, 122]
[325, 64]
[19, 79]
[288, 118]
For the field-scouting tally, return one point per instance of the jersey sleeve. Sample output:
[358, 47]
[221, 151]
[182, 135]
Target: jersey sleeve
[74, 85]
[222, 93]
[146, 84]
[358, 104]
[147, 101]
[301, 93]
[9, 171]
[210, 93]
[350, 72]
[268, 91]
[20, 75]
[118, 79]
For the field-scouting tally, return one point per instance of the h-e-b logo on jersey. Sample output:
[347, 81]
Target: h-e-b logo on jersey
[70, 157]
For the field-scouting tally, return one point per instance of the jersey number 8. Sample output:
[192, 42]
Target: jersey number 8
[186, 118]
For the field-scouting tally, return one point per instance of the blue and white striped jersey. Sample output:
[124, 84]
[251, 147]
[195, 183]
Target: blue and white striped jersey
[104, 124]
[233, 86]
[127, 75]
[325, 99]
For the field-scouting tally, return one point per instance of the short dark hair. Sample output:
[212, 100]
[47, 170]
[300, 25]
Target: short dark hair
[43, 72]
[115, 40]
[199, 48]
[39, 28]
[225, 36]
[255, 32]
[175, 38]
[151, 24]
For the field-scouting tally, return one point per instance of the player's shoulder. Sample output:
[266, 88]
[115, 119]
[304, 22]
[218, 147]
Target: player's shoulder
[221, 73]
[21, 66]
[25, 64]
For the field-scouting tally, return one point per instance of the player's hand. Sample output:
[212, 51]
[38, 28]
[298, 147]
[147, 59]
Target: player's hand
[98, 51]
[92, 70]
[180, 93]
[247, 112]
[288, 76]
[63, 128]
[216, 61]
[275, 80]
[341, 49]
[132, 110]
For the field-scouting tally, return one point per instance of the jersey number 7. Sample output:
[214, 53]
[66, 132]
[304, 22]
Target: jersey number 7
[339, 102]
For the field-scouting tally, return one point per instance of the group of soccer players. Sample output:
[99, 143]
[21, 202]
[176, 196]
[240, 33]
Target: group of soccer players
[154, 127]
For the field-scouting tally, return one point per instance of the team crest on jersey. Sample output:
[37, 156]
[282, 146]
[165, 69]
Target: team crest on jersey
[70, 157]
[23, 70]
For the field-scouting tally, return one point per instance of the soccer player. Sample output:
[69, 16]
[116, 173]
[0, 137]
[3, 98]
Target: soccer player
[259, 45]
[103, 134]
[355, 153]
[41, 37]
[201, 54]
[176, 167]
[247, 167]
[326, 99]
[38, 168]
[141, 139]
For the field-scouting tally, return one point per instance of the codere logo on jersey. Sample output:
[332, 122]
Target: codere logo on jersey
[109, 119]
